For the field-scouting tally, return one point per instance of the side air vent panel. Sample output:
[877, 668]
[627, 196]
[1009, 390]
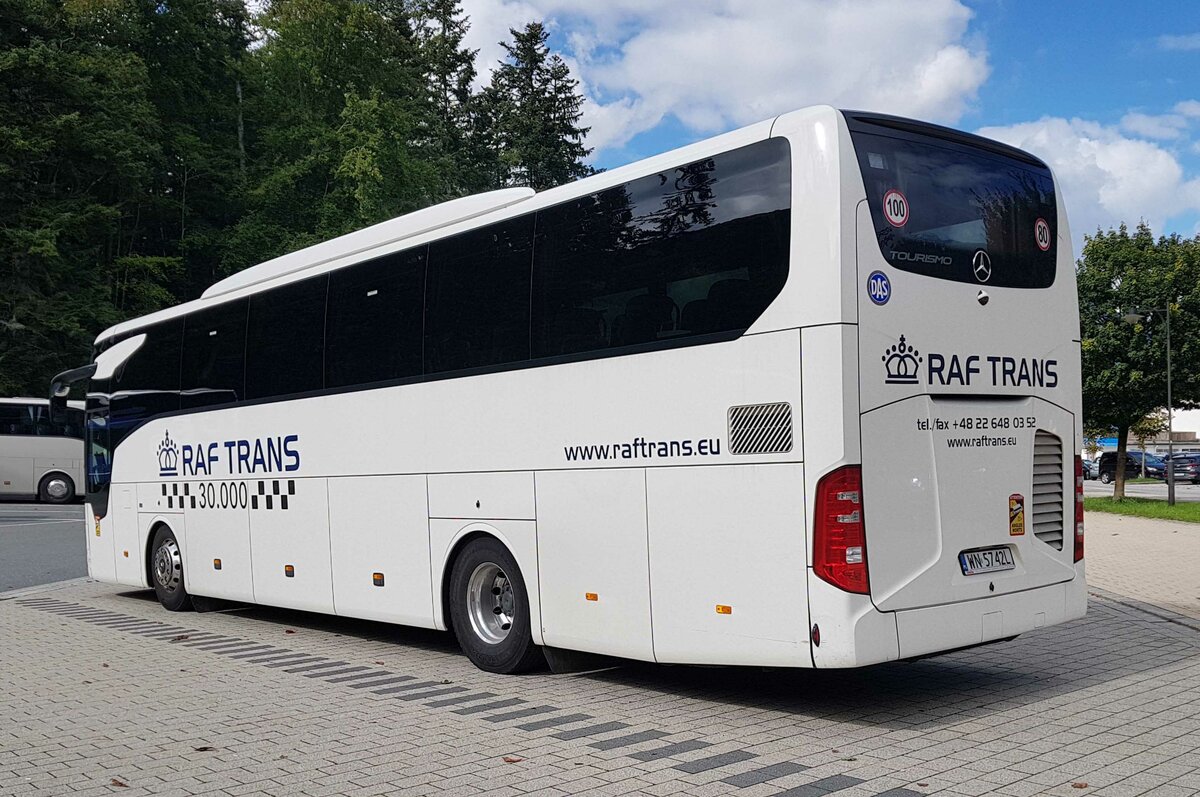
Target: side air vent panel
[760, 428]
[1048, 489]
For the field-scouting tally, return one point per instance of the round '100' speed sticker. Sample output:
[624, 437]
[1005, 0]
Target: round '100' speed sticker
[895, 208]
[1041, 233]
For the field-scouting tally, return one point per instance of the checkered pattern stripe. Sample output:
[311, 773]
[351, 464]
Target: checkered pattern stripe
[274, 496]
[267, 494]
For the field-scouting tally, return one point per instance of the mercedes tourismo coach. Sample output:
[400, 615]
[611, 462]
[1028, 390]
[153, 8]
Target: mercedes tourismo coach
[805, 394]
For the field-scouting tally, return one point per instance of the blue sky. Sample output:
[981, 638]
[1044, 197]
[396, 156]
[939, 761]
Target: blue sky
[1106, 92]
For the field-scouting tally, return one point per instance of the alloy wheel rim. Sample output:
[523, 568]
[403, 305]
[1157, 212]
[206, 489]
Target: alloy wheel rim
[168, 566]
[491, 603]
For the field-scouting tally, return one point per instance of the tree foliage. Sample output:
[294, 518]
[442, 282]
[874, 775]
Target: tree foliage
[534, 108]
[1125, 365]
[150, 147]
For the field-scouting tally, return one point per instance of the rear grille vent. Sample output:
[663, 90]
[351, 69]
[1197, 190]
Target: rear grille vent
[760, 429]
[1048, 489]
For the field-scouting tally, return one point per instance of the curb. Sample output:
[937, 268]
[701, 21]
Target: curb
[53, 586]
[1147, 608]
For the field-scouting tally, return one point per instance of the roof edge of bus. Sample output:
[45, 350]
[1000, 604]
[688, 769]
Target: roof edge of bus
[387, 232]
[860, 120]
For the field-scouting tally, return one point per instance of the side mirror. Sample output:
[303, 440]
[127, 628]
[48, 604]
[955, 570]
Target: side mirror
[60, 388]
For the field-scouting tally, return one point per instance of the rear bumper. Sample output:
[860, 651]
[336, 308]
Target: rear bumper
[958, 625]
[866, 635]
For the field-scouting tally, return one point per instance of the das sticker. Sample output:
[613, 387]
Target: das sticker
[1041, 233]
[1016, 515]
[879, 288]
[895, 208]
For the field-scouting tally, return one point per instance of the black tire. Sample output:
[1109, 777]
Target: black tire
[1105, 477]
[488, 643]
[166, 571]
[56, 488]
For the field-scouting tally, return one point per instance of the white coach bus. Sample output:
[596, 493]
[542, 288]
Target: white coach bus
[805, 394]
[39, 457]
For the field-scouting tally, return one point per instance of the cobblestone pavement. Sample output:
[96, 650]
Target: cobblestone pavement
[106, 693]
[1153, 561]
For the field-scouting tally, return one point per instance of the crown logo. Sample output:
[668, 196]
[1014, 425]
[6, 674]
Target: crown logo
[903, 363]
[168, 456]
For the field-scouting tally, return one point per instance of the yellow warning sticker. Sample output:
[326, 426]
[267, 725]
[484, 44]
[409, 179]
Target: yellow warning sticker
[1016, 515]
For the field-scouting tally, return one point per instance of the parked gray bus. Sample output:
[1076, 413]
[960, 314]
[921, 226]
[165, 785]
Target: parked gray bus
[37, 456]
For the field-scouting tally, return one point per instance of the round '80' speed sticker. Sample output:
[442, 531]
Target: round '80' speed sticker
[1041, 233]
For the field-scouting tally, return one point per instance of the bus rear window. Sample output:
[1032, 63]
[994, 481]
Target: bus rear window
[950, 210]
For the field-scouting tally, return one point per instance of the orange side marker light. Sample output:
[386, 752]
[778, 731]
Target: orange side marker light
[592, 596]
[723, 609]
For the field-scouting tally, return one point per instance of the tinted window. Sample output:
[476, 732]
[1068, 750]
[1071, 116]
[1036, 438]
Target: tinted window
[374, 320]
[284, 339]
[936, 204]
[16, 419]
[214, 355]
[692, 251]
[145, 385]
[477, 309]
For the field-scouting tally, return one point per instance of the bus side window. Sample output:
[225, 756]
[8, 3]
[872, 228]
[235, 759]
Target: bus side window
[285, 338]
[374, 319]
[213, 367]
[477, 303]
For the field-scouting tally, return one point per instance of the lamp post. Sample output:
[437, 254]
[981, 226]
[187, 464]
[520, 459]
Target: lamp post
[1133, 318]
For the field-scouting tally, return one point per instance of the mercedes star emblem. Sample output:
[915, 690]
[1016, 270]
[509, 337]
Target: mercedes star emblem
[981, 264]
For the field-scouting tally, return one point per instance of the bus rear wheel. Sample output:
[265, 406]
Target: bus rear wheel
[166, 571]
[489, 609]
[56, 488]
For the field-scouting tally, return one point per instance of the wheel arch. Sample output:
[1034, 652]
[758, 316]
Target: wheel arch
[519, 538]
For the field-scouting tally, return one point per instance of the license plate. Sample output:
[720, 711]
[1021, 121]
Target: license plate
[986, 560]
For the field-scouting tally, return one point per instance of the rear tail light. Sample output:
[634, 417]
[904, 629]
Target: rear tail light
[1078, 508]
[839, 539]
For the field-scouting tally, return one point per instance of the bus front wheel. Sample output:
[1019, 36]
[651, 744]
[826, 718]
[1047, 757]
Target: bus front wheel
[166, 571]
[489, 609]
[56, 488]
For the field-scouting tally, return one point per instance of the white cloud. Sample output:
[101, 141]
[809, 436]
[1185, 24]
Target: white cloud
[1190, 41]
[716, 64]
[1106, 177]
[1164, 126]
[1189, 108]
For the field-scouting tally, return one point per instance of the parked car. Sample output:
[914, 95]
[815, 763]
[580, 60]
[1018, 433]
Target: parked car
[1107, 466]
[1156, 467]
[1186, 467]
[1091, 469]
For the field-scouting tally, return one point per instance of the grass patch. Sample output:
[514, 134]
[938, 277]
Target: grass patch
[1140, 480]
[1187, 511]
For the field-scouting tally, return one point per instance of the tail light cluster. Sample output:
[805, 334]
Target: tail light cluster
[1078, 508]
[839, 538]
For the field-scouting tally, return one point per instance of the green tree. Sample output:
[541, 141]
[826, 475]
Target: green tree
[78, 150]
[339, 107]
[534, 107]
[195, 52]
[458, 136]
[1124, 365]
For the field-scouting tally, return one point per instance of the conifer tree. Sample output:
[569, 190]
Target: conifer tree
[534, 106]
